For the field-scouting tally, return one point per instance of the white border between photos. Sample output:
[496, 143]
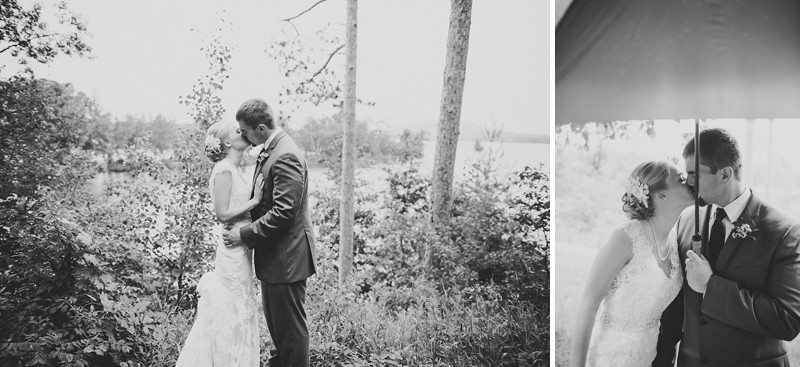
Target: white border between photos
[552, 180]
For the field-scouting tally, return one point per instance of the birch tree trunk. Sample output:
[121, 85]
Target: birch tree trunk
[749, 175]
[347, 212]
[450, 114]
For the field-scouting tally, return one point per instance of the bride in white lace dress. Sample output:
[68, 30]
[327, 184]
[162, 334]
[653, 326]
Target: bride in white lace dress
[226, 330]
[635, 275]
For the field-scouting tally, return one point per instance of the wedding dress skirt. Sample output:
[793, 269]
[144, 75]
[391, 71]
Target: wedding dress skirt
[226, 330]
[626, 326]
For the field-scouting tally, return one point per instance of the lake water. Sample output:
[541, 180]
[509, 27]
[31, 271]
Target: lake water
[515, 157]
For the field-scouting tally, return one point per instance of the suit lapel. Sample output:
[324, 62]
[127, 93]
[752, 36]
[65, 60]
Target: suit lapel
[731, 246]
[263, 157]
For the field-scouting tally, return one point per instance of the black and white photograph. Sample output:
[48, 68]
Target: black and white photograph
[276, 183]
[677, 239]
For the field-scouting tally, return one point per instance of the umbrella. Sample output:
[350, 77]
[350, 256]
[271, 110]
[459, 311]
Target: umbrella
[655, 59]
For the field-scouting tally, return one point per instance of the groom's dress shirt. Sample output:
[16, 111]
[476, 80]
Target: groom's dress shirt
[732, 210]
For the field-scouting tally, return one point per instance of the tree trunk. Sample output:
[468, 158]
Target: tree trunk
[450, 114]
[347, 212]
[749, 174]
[770, 159]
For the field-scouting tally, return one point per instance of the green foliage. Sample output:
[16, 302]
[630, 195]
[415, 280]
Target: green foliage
[57, 294]
[494, 237]
[52, 284]
[486, 301]
[325, 216]
[45, 127]
[204, 100]
[122, 133]
[26, 36]
[107, 294]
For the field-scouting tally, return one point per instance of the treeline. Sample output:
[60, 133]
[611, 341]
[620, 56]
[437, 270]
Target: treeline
[321, 139]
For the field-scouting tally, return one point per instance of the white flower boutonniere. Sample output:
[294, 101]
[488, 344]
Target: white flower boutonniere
[742, 230]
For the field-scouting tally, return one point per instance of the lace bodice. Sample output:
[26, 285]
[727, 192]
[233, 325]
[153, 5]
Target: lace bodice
[627, 322]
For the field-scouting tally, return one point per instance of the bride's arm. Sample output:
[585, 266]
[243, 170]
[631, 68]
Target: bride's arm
[222, 197]
[607, 264]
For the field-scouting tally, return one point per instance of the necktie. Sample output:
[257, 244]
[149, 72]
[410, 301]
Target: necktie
[717, 238]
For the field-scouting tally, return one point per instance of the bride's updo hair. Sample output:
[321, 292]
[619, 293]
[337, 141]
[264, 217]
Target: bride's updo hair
[646, 179]
[216, 137]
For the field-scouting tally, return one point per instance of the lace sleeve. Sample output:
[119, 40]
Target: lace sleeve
[221, 166]
[633, 230]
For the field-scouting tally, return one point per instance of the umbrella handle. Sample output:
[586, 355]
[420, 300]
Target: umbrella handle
[696, 236]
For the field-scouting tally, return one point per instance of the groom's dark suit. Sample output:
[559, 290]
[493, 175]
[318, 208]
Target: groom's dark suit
[752, 301]
[283, 241]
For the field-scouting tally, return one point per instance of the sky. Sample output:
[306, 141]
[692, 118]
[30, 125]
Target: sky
[147, 53]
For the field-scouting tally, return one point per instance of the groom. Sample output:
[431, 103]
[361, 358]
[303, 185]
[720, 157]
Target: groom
[741, 295]
[281, 233]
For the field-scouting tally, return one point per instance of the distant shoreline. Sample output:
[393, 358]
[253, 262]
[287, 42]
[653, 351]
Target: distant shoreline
[527, 139]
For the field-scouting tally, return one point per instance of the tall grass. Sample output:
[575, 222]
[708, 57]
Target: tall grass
[468, 328]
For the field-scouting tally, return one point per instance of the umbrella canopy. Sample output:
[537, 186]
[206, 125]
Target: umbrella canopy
[656, 59]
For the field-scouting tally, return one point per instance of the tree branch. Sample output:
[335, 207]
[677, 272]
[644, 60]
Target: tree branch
[20, 43]
[326, 61]
[303, 12]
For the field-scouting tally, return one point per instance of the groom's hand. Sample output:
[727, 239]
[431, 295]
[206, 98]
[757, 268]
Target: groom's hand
[698, 271]
[232, 237]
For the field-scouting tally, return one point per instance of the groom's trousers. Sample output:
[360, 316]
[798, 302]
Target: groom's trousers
[286, 320]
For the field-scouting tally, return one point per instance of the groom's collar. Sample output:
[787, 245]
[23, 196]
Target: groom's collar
[270, 144]
[735, 208]
[271, 138]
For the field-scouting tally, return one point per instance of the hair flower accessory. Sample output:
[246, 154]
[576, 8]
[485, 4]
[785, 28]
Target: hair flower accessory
[638, 190]
[742, 230]
[212, 142]
[213, 148]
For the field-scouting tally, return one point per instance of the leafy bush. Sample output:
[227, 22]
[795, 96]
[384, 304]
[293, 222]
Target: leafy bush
[45, 128]
[55, 294]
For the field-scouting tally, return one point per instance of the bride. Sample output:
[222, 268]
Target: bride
[226, 330]
[635, 275]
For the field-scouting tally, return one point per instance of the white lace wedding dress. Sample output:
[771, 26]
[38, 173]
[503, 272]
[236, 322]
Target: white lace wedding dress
[226, 330]
[627, 322]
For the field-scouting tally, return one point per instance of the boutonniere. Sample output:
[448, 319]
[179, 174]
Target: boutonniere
[742, 230]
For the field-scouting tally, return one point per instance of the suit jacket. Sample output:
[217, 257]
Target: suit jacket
[281, 233]
[752, 301]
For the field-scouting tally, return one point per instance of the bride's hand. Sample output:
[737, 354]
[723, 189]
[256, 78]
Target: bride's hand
[259, 188]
